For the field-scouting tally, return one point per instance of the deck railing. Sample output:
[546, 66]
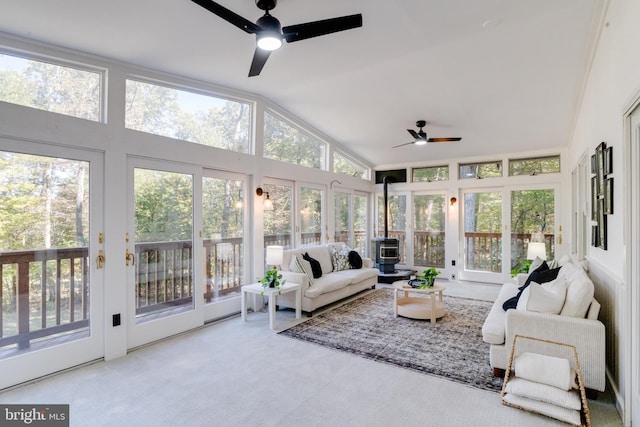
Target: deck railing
[44, 292]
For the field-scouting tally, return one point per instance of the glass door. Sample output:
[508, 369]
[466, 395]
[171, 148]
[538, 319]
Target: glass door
[482, 237]
[429, 224]
[310, 218]
[278, 222]
[160, 251]
[223, 231]
[51, 311]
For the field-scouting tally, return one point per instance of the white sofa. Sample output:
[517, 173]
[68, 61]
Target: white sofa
[576, 324]
[332, 285]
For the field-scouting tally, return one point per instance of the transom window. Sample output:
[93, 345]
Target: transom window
[534, 165]
[288, 143]
[347, 166]
[481, 170]
[51, 87]
[189, 116]
[429, 174]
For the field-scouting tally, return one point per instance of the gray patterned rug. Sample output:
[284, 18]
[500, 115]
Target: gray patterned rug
[452, 348]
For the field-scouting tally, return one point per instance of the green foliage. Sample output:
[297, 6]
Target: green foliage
[283, 141]
[345, 166]
[429, 275]
[272, 276]
[430, 174]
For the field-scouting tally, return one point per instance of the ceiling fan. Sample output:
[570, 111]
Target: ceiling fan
[420, 137]
[269, 33]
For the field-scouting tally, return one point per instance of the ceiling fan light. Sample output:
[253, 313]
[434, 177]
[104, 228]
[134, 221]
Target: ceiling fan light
[421, 141]
[269, 41]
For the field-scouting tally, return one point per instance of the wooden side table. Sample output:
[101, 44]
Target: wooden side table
[272, 293]
[430, 306]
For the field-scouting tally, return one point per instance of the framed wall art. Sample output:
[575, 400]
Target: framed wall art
[601, 193]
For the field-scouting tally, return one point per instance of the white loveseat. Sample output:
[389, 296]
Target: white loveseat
[332, 285]
[577, 324]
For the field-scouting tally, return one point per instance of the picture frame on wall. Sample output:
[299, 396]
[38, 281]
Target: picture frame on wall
[607, 161]
[594, 198]
[594, 164]
[594, 236]
[602, 226]
[608, 197]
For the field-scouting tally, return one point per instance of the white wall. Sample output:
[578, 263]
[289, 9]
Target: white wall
[613, 80]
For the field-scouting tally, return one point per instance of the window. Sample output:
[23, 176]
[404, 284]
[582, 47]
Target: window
[347, 166]
[534, 166]
[193, 117]
[351, 220]
[50, 87]
[429, 219]
[481, 170]
[429, 174]
[283, 141]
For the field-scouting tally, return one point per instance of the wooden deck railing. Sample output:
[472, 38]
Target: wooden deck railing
[44, 292]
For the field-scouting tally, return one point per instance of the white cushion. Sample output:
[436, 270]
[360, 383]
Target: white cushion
[535, 264]
[594, 310]
[493, 328]
[570, 416]
[569, 399]
[320, 253]
[301, 265]
[548, 299]
[579, 295]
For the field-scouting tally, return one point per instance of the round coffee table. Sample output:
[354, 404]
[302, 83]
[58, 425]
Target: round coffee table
[424, 304]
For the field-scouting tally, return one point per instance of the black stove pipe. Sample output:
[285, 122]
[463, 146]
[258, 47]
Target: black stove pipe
[386, 206]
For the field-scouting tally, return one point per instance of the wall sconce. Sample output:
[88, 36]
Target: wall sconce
[267, 204]
[453, 201]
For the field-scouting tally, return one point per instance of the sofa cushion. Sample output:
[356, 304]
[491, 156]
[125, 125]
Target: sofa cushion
[300, 265]
[340, 259]
[357, 275]
[579, 295]
[327, 283]
[493, 329]
[355, 260]
[315, 265]
[547, 298]
[322, 254]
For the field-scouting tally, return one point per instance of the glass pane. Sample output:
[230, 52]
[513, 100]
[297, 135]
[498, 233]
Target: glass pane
[430, 174]
[311, 216]
[397, 221]
[534, 166]
[44, 237]
[342, 209]
[483, 231]
[278, 222]
[532, 211]
[287, 143]
[163, 242]
[481, 170]
[429, 218]
[193, 117]
[346, 166]
[222, 217]
[360, 220]
[50, 87]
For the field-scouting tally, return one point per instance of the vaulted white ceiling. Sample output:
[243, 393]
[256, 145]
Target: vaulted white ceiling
[505, 75]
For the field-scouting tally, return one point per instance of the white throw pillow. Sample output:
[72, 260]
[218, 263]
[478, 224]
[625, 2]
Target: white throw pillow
[301, 265]
[550, 300]
[579, 295]
[535, 264]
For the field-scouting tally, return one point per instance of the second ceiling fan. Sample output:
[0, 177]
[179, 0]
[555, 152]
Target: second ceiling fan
[269, 33]
[420, 137]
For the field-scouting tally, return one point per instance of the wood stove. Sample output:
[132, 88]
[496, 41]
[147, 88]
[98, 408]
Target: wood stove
[387, 250]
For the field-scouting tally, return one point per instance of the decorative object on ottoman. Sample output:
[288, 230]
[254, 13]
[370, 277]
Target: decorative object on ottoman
[550, 385]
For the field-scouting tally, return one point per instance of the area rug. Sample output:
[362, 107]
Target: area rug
[452, 348]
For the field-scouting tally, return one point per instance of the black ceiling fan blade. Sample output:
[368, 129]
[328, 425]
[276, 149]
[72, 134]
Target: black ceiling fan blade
[229, 16]
[407, 143]
[443, 139]
[260, 57]
[413, 133]
[294, 33]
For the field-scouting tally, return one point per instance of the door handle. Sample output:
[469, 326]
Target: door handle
[100, 259]
[128, 256]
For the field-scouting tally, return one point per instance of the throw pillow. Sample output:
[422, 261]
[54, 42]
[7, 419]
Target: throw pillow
[541, 275]
[340, 260]
[355, 259]
[315, 265]
[535, 264]
[300, 265]
[549, 300]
